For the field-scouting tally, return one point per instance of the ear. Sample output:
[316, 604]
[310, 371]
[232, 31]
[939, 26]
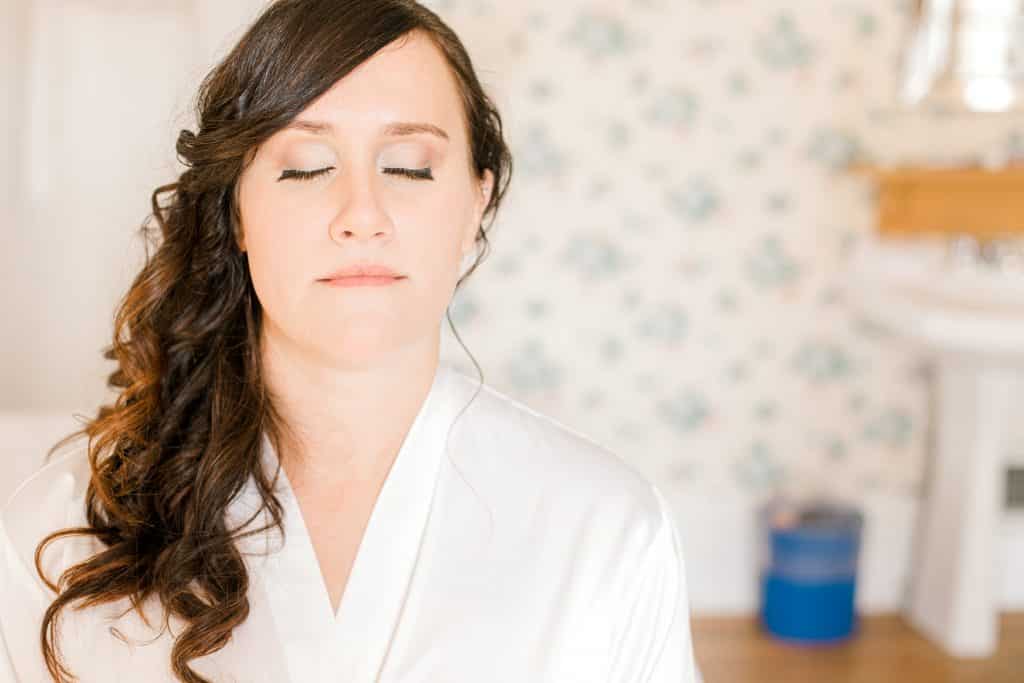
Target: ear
[486, 187]
[236, 194]
[240, 238]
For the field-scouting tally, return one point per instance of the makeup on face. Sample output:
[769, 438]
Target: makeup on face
[408, 160]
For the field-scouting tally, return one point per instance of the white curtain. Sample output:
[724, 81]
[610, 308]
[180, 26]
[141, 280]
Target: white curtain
[97, 92]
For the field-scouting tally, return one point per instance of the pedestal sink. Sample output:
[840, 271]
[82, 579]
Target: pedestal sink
[969, 320]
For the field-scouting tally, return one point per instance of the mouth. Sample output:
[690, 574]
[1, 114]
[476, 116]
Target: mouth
[364, 270]
[362, 280]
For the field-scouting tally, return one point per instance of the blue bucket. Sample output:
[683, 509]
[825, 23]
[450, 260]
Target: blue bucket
[809, 571]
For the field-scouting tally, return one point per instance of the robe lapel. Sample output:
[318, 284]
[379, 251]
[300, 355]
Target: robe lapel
[352, 644]
[374, 598]
[283, 571]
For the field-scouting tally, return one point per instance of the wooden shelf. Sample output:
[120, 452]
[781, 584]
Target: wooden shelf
[923, 201]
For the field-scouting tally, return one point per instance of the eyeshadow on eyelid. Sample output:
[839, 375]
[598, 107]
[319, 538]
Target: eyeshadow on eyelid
[407, 162]
[408, 153]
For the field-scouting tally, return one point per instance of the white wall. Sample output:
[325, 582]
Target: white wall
[99, 91]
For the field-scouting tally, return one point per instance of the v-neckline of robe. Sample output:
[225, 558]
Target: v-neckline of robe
[352, 642]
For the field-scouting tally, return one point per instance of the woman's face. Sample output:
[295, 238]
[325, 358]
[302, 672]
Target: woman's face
[358, 209]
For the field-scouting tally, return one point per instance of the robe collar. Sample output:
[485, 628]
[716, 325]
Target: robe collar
[351, 645]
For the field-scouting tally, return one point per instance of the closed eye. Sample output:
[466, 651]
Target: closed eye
[303, 175]
[414, 173]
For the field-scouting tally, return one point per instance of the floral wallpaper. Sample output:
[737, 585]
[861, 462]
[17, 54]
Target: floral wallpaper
[666, 273]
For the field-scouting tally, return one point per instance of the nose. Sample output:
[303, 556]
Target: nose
[361, 213]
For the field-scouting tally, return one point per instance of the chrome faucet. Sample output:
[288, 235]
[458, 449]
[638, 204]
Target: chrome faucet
[1004, 253]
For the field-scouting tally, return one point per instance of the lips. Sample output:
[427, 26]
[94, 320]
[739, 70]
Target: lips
[363, 270]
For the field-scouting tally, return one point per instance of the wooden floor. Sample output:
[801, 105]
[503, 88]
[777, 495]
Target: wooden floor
[736, 650]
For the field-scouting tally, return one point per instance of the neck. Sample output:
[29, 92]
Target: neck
[346, 423]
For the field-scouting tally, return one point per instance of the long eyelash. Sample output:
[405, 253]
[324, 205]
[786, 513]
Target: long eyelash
[414, 173]
[303, 175]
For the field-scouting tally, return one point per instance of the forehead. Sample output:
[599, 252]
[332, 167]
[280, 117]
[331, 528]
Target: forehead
[407, 80]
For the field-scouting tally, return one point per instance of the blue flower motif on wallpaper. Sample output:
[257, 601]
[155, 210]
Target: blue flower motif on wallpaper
[834, 148]
[759, 469]
[691, 267]
[536, 154]
[748, 159]
[592, 399]
[835, 448]
[536, 308]
[533, 242]
[639, 81]
[463, 309]
[632, 299]
[766, 409]
[845, 79]
[593, 256]
[668, 323]
[618, 134]
[737, 372]
[820, 361]
[737, 84]
[830, 296]
[892, 428]
[778, 202]
[636, 223]
[533, 370]
[685, 412]
[727, 301]
[765, 349]
[769, 265]
[776, 135]
[869, 328]
[599, 35]
[612, 350]
[682, 470]
[675, 107]
[783, 46]
[722, 124]
[648, 382]
[864, 23]
[537, 20]
[541, 89]
[508, 264]
[598, 187]
[694, 202]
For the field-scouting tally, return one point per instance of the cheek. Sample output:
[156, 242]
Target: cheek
[446, 217]
[431, 244]
[278, 263]
[276, 227]
[270, 277]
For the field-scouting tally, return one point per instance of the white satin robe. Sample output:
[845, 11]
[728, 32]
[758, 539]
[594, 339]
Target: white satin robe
[521, 553]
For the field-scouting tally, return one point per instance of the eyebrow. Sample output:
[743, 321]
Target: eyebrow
[392, 129]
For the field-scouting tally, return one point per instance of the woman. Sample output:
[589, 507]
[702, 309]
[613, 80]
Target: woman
[291, 486]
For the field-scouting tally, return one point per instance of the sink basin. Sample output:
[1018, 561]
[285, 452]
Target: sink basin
[907, 287]
[970, 319]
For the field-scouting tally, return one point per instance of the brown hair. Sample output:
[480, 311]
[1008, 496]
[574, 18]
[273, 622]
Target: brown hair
[183, 436]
